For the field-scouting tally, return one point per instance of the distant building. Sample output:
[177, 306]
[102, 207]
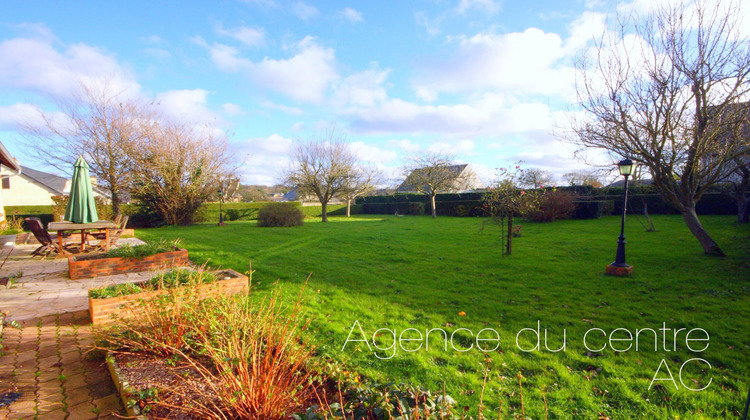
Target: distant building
[466, 180]
[36, 188]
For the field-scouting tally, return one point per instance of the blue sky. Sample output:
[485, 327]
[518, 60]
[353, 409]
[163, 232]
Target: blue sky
[491, 81]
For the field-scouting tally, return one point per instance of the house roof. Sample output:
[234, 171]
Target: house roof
[8, 160]
[53, 182]
[456, 169]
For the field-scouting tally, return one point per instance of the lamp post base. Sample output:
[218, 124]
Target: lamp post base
[619, 271]
[222, 223]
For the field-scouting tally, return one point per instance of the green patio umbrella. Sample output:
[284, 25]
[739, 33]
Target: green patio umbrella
[81, 204]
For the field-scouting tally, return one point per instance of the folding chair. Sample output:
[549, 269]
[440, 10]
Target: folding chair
[48, 243]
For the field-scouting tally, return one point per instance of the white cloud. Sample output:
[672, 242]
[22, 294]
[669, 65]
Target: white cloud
[37, 65]
[432, 26]
[231, 109]
[500, 61]
[372, 154]
[463, 147]
[481, 117]
[304, 11]
[190, 105]
[158, 53]
[291, 110]
[361, 89]
[404, 144]
[588, 26]
[154, 40]
[351, 15]
[251, 37]
[37, 31]
[488, 6]
[13, 115]
[305, 77]
[263, 158]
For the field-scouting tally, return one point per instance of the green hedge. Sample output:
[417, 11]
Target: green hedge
[231, 211]
[44, 213]
[444, 208]
[333, 210]
[609, 202]
[593, 209]
[11, 210]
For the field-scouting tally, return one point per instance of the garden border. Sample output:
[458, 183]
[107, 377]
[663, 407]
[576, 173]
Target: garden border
[101, 310]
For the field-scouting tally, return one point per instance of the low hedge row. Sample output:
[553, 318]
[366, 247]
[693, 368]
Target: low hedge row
[588, 206]
[249, 211]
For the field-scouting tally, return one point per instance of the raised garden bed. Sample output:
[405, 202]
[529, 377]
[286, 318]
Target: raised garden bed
[83, 266]
[102, 309]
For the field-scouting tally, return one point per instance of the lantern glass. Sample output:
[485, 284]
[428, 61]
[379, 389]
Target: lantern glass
[626, 167]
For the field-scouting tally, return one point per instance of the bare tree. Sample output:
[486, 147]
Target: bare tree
[430, 174]
[535, 178]
[652, 91]
[360, 181]
[320, 167]
[176, 167]
[738, 172]
[583, 178]
[97, 123]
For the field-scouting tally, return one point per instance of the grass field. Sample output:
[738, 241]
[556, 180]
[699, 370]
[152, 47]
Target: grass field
[415, 272]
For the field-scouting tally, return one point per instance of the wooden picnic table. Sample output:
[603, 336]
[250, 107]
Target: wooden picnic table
[62, 227]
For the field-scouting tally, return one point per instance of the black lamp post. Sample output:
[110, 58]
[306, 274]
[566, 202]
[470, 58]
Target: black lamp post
[620, 267]
[221, 214]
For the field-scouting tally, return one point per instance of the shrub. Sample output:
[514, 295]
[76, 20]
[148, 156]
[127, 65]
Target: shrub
[279, 215]
[13, 226]
[552, 205]
[137, 252]
[167, 280]
[60, 204]
[250, 354]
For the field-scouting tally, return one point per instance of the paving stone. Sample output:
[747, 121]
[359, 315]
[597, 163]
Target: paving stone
[83, 411]
[108, 404]
[54, 339]
[77, 396]
[57, 414]
[22, 356]
[20, 408]
[74, 381]
[48, 362]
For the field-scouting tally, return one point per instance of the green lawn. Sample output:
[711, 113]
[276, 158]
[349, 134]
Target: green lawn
[416, 272]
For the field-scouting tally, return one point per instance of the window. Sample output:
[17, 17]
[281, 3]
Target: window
[6, 182]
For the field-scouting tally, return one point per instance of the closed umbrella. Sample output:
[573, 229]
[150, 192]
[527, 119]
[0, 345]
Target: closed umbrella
[81, 204]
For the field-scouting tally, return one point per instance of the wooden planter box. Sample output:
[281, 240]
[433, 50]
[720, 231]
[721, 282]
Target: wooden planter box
[101, 310]
[107, 266]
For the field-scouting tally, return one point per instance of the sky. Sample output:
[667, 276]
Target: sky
[490, 81]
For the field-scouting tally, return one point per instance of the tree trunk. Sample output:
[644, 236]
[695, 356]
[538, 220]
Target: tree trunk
[348, 208]
[740, 196]
[710, 247]
[509, 247]
[434, 210]
[116, 201]
[743, 205]
[323, 208]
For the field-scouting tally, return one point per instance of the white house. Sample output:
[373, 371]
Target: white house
[10, 165]
[465, 180]
[36, 188]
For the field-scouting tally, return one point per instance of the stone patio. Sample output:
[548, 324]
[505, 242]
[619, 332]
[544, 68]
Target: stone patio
[44, 287]
[47, 370]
